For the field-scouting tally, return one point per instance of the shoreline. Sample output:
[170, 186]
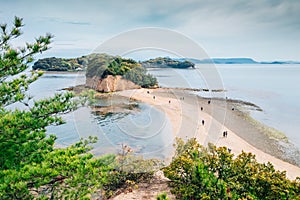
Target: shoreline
[63, 72]
[186, 117]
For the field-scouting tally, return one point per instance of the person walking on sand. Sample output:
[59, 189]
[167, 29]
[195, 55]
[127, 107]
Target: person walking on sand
[169, 101]
[153, 97]
[202, 122]
[201, 108]
[224, 133]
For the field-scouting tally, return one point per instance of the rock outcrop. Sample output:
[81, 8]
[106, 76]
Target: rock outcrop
[110, 84]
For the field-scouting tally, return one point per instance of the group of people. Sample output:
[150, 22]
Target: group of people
[148, 92]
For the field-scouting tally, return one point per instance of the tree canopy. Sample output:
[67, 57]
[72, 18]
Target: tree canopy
[213, 173]
[60, 64]
[103, 65]
[167, 62]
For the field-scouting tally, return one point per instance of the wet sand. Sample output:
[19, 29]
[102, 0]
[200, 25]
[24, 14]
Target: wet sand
[183, 109]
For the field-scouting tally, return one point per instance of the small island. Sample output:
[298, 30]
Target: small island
[166, 62]
[106, 73]
[61, 64]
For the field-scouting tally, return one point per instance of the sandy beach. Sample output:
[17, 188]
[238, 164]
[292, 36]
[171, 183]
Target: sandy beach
[192, 116]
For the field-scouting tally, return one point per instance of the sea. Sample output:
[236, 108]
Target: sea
[274, 88]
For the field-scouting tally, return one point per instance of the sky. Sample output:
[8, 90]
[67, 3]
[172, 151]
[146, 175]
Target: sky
[265, 30]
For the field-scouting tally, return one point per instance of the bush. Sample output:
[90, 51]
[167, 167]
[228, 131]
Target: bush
[212, 173]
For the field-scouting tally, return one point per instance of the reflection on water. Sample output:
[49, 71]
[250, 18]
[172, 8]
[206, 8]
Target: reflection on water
[145, 129]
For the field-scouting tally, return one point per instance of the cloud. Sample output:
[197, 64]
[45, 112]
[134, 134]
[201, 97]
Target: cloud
[61, 20]
[225, 27]
[76, 23]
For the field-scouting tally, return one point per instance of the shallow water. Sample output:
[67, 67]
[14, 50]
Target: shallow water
[147, 131]
[275, 88]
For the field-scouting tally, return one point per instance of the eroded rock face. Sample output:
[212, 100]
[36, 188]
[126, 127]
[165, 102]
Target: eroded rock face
[110, 84]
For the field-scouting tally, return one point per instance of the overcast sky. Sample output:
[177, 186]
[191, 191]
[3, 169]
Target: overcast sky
[263, 29]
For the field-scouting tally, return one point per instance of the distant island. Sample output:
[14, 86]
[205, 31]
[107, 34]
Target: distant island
[61, 64]
[166, 62]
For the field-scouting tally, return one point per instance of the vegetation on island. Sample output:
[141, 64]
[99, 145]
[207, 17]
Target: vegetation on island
[31, 167]
[63, 64]
[60, 64]
[167, 62]
[104, 65]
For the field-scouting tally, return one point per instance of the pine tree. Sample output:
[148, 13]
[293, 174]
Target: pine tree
[30, 166]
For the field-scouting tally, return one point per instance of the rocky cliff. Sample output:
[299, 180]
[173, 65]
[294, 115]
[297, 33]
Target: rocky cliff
[110, 84]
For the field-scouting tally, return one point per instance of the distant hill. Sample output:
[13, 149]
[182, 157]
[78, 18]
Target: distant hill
[222, 61]
[280, 62]
[234, 61]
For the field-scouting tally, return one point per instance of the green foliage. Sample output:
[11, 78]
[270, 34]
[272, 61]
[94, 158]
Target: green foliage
[87, 97]
[167, 62]
[139, 76]
[119, 66]
[62, 64]
[61, 173]
[103, 65]
[162, 196]
[98, 64]
[213, 173]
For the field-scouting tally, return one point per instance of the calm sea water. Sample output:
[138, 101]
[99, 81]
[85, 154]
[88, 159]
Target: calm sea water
[275, 88]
